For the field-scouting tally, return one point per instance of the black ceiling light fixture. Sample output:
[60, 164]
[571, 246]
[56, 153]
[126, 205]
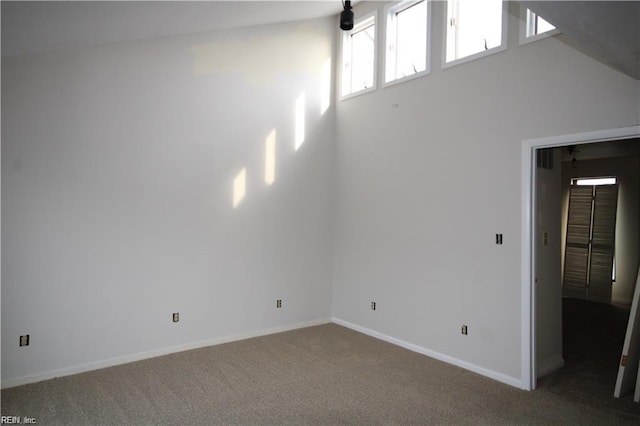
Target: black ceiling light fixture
[573, 149]
[346, 16]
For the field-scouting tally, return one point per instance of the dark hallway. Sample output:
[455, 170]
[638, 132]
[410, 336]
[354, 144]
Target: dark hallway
[593, 335]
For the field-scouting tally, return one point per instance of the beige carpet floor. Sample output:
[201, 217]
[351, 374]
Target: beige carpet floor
[319, 375]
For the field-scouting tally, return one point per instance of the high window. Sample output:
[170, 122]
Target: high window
[359, 57]
[474, 28]
[537, 25]
[534, 27]
[406, 40]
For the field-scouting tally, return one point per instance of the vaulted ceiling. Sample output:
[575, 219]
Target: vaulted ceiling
[31, 27]
[608, 31]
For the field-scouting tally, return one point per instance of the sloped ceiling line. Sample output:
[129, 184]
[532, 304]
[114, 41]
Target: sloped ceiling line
[607, 31]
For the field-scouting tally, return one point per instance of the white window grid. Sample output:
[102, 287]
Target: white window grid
[452, 27]
[530, 28]
[392, 11]
[367, 22]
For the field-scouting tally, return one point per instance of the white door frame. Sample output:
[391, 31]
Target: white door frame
[528, 253]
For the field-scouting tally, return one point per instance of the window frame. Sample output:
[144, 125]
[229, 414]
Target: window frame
[524, 15]
[390, 30]
[593, 180]
[500, 48]
[360, 25]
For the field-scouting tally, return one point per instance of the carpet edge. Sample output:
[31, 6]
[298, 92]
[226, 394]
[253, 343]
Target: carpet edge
[500, 377]
[125, 359]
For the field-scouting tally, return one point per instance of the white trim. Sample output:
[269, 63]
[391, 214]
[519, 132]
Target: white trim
[542, 36]
[32, 378]
[405, 78]
[473, 57]
[393, 8]
[528, 343]
[523, 39]
[513, 381]
[362, 22]
[358, 93]
[550, 365]
[482, 54]
[527, 293]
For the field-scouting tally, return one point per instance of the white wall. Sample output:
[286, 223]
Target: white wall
[627, 170]
[118, 165]
[117, 171]
[424, 187]
[548, 282]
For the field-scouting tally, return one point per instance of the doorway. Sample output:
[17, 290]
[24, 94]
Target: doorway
[530, 237]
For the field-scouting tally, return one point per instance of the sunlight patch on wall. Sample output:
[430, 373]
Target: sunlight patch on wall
[239, 187]
[300, 112]
[270, 158]
[325, 87]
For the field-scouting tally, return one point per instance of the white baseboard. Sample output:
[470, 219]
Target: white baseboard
[512, 381]
[154, 353]
[550, 364]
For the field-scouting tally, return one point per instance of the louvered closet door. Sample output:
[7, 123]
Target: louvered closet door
[591, 231]
[603, 241]
[576, 258]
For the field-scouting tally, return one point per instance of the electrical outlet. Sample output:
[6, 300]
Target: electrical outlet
[373, 306]
[499, 239]
[279, 303]
[545, 238]
[176, 316]
[24, 340]
[464, 330]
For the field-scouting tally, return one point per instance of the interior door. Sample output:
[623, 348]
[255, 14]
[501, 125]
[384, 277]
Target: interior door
[590, 242]
[576, 256]
[548, 268]
[629, 370]
[603, 239]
